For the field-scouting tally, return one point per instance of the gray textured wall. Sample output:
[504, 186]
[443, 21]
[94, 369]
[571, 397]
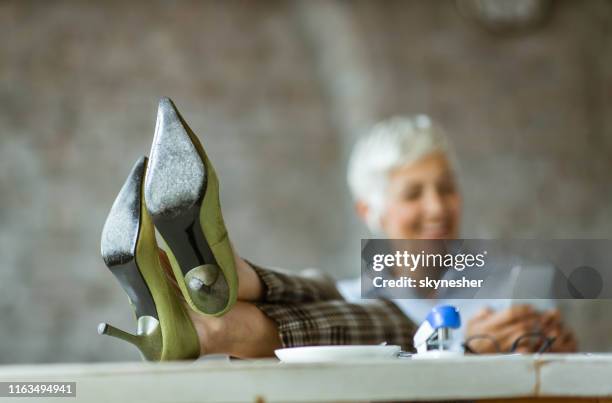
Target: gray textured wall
[278, 91]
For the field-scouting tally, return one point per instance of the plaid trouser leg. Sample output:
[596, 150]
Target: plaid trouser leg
[307, 286]
[308, 311]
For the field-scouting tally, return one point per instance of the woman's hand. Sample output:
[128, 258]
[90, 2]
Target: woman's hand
[565, 341]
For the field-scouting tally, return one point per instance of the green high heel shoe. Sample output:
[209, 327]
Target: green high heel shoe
[182, 196]
[164, 329]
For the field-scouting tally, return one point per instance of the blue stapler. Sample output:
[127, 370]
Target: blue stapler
[434, 337]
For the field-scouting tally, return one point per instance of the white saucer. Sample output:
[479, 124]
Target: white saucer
[336, 353]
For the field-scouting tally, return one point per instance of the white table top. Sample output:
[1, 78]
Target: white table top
[470, 377]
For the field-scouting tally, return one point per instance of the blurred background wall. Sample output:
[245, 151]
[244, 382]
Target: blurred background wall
[278, 92]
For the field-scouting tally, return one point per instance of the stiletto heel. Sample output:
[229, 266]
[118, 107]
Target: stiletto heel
[109, 330]
[149, 344]
[164, 329]
[182, 196]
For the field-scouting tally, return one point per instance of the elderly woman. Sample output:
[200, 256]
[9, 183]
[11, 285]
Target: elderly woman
[402, 177]
[202, 298]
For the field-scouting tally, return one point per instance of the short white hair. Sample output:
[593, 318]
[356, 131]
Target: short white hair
[390, 144]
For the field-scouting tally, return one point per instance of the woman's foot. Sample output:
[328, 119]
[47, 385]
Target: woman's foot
[245, 331]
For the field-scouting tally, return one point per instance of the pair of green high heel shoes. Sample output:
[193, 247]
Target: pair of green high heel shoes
[176, 191]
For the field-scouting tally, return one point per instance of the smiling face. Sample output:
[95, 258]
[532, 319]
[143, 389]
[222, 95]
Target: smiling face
[422, 201]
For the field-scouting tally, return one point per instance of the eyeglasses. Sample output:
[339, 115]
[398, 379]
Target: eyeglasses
[533, 339]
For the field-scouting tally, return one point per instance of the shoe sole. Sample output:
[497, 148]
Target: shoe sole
[175, 193]
[119, 239]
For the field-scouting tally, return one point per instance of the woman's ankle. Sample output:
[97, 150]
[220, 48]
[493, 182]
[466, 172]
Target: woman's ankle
[250, 287]
[212, 333]
[244, 331]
